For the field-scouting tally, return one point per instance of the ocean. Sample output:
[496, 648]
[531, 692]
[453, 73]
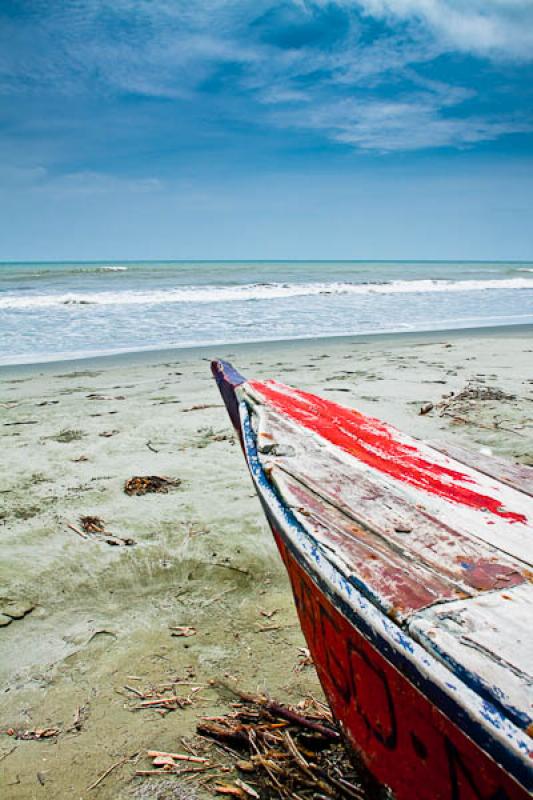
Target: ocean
[52, 311]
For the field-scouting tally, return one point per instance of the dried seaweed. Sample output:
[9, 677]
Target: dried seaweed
[148, 484]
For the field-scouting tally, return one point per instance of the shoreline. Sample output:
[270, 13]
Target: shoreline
[156, 354]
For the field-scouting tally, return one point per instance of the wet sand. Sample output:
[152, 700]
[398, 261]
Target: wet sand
[81, 619]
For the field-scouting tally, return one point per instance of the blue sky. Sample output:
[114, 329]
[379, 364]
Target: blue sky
[261, 129]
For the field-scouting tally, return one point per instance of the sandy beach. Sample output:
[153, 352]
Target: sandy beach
[83, 619]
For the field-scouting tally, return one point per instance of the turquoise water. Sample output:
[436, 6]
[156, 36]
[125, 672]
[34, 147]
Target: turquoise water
[52, 311]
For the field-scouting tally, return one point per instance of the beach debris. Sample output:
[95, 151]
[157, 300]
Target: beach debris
[34, 734]
[181, 764]
[304, 659]
[80, 459]
[164, 698]
[108, 434]
[207, 435]
[150, 446]
[426, 408]
[290, 751]
[228, 789]
[157, 754]
[105, 397]
[92, 524]
[224, 565]
[93, 527]
[68, 435]
[268, 614]
[182, 630]
[463, 407]
[110, 769]
[147, 484]
[76, 530]
[201, 407]
[80, 715]
[22, 422]
[473, 392]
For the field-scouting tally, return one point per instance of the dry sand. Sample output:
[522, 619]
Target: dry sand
[94, 618]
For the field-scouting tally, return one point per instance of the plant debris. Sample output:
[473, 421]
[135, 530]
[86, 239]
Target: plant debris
[34, 734]
[92, 524]
[93, 527]
[201, 407]
[462, 407]
[284, 751]
[165, 697]
[465, 400]
[182, 630]
[147, 484]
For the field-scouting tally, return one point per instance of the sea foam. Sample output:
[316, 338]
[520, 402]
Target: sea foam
[254, 292]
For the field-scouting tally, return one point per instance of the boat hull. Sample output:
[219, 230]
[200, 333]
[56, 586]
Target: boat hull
[401, 737]
[417, 728]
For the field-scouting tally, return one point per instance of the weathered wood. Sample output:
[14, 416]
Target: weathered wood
[412, 580]
[398, 583]
[488, 639]
[519, 476]
[382, 511]
[479, 507]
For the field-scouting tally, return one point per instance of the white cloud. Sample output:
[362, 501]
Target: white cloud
[413, 123]
[497, 28]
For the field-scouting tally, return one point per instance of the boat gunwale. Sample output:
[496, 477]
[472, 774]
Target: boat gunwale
[489, 727]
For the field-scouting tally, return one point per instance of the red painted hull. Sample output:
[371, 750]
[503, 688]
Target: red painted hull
[404, 740]
[407, 569]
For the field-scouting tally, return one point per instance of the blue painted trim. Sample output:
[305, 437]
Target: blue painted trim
[516, 715]
[457, 714]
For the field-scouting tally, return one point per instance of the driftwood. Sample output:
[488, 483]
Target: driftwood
[283, 711]
[292, 753]
[177, 756]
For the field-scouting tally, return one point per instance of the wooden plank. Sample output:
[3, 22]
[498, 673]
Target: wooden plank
[397, 584]
[488, 639]
[519, 476]
[472, 503]
[387, 517]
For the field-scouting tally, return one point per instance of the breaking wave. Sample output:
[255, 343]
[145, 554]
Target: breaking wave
[255, 291]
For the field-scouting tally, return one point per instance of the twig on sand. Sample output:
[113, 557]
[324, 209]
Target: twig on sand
[281, 711]
[109, 770]
[77, 530]
[93, 527]
[227, 566]
[177, 756]
[150, 446]
[5, 755]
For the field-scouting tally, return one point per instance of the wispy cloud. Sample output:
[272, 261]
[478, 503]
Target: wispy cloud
[500, 29]
[358, 73]
[415, 123]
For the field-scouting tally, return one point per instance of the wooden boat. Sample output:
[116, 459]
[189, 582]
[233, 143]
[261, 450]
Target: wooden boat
[411, 569]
